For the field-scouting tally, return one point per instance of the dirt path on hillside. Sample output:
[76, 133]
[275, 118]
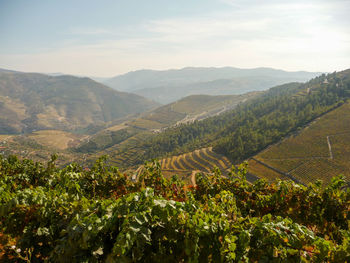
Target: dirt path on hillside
[330, 148]
[193, 177]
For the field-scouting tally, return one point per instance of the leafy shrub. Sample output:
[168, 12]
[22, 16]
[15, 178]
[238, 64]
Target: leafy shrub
[99, 215]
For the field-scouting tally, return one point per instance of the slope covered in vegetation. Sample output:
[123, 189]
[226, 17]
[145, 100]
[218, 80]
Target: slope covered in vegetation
[320, 151]
[254, 125]
[186, 110]
[101, 216]
[203, 160]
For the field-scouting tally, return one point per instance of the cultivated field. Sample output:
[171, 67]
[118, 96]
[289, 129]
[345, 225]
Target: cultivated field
[320, 151]
[203, 160]
[257, 168]
[55, 139]
[144, 124]
[125, 153]
[117, 127]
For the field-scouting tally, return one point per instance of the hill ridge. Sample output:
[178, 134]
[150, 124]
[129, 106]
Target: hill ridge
[34, 101]
[166, 86]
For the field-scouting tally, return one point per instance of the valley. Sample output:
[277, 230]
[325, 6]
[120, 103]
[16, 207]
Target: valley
[185, 157]
[175, 131]
[203, 133]
[120, 134]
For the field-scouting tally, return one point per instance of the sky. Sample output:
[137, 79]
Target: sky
[109, 37]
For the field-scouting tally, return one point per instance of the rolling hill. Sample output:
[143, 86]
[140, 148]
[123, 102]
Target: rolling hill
[187, 110]
[254, 125]
[171, 85]
[31, 101]
[40, 145]
[120, 135]
[200, 132]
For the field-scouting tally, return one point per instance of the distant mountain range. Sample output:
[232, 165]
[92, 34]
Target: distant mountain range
[170, 85]
[32, 101]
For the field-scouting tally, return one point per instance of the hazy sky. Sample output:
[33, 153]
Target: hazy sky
[110, 37]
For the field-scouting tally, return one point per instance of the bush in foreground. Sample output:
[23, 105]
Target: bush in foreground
[99, 215]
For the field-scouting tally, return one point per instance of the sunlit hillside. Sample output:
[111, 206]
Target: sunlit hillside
[319, 151]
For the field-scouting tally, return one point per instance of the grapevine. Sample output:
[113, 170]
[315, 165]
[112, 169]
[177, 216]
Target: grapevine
[99, 215]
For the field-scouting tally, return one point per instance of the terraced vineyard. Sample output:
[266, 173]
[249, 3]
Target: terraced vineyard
[203, 160]
[319, 151]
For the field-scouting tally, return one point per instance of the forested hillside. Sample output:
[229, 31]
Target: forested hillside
[190, 109]
[99, 215]
[252, 126]
[31, 101]
[186, 110]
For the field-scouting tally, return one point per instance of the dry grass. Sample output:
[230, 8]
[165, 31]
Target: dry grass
[4, 137]
[54, 139]
[15, 106]
[145, 124]
[117, 127]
